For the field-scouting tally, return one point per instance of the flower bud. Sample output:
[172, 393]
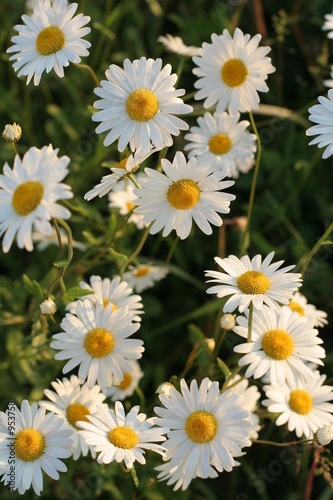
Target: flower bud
[48, 307]
[12, 133]
[164, 388]
[228, 321]
[324, 435]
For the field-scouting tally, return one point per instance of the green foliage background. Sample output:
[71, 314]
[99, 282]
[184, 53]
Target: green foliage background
[293, 207]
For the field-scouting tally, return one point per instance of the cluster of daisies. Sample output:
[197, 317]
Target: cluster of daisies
[201, 429]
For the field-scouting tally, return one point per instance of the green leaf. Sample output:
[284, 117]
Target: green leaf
[76, 292]
[61, 263]
[223, 367]
[34, 288]
[117, 255]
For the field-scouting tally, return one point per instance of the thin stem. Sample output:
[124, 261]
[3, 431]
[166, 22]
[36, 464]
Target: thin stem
[62, 270]
[136, 251]
[309, 482]
[15, 148]
[91, 71]
[134, 476]
[180, 68]
[282, 445]
[59, 237]
[249, 328]
[245, 239]
[316, 247]
[218, 344]
[132, 178]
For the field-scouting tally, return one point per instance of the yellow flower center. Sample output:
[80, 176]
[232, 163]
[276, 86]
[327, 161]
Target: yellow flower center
[126, 381]
[106, 302]
[122, 164]
[253, 283]
[300, 402]
[234, 72]
[219, 144]
[142, 271]
[183, 194]
[201, 427]
[29, 445]
[27, 197]
[99, 343]
[50, 40]
[130, 206]
[277, 344]
[294, 306]
[142, 105]
[123, 437]
[76, 412]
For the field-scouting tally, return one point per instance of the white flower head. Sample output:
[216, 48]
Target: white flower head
[324, 435]
[281, 343]
[175, 44]
[96, 340]
[144, 276]
[120, 437]
[322, 115]
[138, 105]
[48, 307]
[299, 304]
[121, 170]
[175, 475]
[12, 133]
[35, 442]
[122, 389]
[253, 281]
[207, 428]
[184, 192]
[164, 388]
[231, 71]
[114, 292]
[72, 402]
[304, 405]
[328, 25]
[29, 193]
[50, 38]
[225, 138]
[43, 241]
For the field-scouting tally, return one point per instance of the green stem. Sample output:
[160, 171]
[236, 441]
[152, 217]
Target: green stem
[249, 328]
[136, 251]
[180, 68]
[15, 149]
[282, 445]
[59, 237]
[218, 344]
[316, 247]
[171, 251]
[134, 476]
[245, 239]
[62, 270]
[91, 71]
[132, 178]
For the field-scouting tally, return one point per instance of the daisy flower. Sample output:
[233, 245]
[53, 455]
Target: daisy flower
[35, 442]
[50, 38]
[120, 171]
[12, 133]
[122, 197]
[175, 44]
[328, 25]
[251, 396]
[138, 105]
[300, 305]
[324, 435]
[184, 192]
[304, 405]
[225, 138]
[114, 291]
[29, 193]
[206, 428]
[97, 340]
[72, 402]
[253, 281]
[281, 343]
[144, 276]
[322, 115]
[48, 307]
[122, 437]
[122, 389]
[231, 71]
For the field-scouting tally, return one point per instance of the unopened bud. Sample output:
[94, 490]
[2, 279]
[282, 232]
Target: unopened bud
[164, 388]
[324, 435]
[12, 133]
[210, 344]
[228, 321]
[48, 307]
